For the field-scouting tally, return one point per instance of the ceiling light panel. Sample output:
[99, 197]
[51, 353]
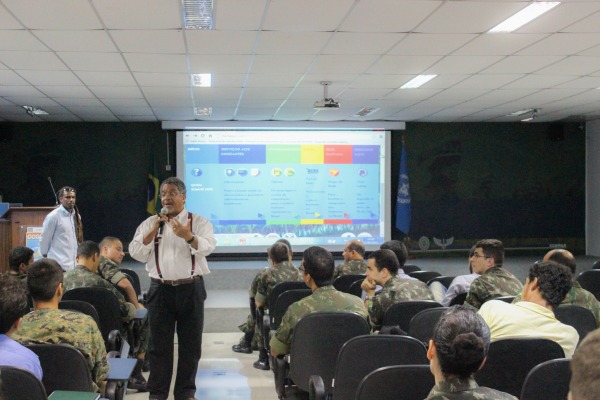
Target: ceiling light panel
[198, 14]
[526, 15]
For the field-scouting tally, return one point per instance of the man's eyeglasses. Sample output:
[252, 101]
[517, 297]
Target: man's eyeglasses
[475, 255]
[171, 193]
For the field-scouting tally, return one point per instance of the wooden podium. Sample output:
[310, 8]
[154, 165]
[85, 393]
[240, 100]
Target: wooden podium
[14, 226]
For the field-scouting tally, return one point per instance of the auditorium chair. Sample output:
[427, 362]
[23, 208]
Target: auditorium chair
[398, 382]
[401, 313]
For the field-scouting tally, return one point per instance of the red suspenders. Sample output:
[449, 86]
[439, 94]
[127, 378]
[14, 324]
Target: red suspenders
[156, 240]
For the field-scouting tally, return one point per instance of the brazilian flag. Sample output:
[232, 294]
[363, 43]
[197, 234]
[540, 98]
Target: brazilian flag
[153, 200]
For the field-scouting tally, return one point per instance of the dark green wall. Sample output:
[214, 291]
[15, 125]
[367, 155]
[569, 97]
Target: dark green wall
[522, 183]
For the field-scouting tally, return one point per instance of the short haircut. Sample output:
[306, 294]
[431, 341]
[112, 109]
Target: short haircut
[492, 248]
[18, 255]
[107, 241]
[385, 259]
[462, 340]
[357, 246]
[87, 249]
[399, 249]
[279, 253]
[174, 181]
[563, 257]
[13, 301]
[585, 369]
[43, 277]
[553, 280]
[287, 243]
[63, 190]
[319, 263]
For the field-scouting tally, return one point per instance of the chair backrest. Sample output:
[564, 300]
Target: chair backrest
[444, 280]
[398, 382]
[342, 283]
[506, 299]
[548, 380]
[459, 299]
[16, 383]
[401, 313]
[282, 287]
[408, 268]
[578, 317]
[317, 340]
[424, 276]
[422, 324]
[64, 368]
[356, 288]
[510, 360]
[106, 304]
[81, 306]
[590, 281]
[364, 354]
[134, 278]
[284, 300]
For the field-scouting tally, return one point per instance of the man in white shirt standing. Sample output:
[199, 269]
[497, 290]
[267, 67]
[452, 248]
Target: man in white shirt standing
[174, 247]
[62, 231]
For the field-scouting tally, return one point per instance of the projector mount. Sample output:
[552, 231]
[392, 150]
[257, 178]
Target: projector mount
[326, 102]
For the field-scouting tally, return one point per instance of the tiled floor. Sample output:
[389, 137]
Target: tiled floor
[225, 375]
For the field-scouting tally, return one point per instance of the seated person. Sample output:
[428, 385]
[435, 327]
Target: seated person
[399, 249]
[85, 274]
[460, 343]
[354, 260]
[545, 288]
[317, 272]
[251, 340]
[280, 270]
[13, 305]
[585, 369]
[577, 295]
[48, 324]
[460, 284]
[494, 281]
[19, 258]
[382, 269]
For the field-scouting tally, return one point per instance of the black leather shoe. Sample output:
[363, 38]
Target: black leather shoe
[137, 383]
[260, 364]
[242, 348]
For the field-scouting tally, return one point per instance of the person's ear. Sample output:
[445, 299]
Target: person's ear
[23, 268]
[431, 350]
[534, 284]
[15, 326]
[59, 290]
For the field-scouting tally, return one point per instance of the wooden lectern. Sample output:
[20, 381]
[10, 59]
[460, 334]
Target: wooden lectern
[14, 226]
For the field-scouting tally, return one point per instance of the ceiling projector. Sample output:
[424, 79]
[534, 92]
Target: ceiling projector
[325, 104]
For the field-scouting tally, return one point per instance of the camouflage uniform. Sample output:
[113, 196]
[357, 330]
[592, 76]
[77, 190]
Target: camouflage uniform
[54, 326]
[578, 296]
[465, 389]
[352, 267]
[394, 291]
[109, 270]
[494, 282]
[324, 299]
[21, 277]
[281, 272]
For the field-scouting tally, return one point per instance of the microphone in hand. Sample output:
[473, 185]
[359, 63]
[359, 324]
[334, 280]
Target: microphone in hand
[161, 225]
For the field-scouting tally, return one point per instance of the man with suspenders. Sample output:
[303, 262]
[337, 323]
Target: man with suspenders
[174, 246]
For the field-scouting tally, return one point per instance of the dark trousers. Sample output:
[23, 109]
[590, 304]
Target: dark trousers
[171, 308]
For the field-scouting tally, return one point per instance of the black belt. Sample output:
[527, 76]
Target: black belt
[178, 282]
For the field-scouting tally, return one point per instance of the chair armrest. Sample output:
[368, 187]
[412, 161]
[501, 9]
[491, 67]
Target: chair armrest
[281, 367]
[316, 389]
[114, 341]
[266, 329]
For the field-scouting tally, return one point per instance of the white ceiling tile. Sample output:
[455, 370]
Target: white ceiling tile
[220, 42]
[569, 16]
[72, 40]
[362, 43]
[562, 44]
[586, 82]
[268, 80]
[32, 100]
[31, 60]
[149, 41]
[81, 61]
[7, 21]
[106, 78]
[261, 93]
[343, 64]
[433, 44]
[176, 112]
[533, 81]
[117, 102]
[573, 66]
[291, 42]
[225, 64]
[488, 81]
[54, 14]
[50, 78]
[139, 62]
[215, 93]
[166, 92]
[123, 111]
[137, 118]
[21, 40]
[462, 64]
[139, 14]
[9, 91]
[365, 94]
[521, 64]
[79, 102]
[403, 65]
[379, 81]
[238, 15]
[114, 92]
[499, 44]
[158, 102]
[388, 15]
[78, 92]
[10, 78]
[500, 96]
[306, 15]
[249, 102]
[162, 79]
[289, 63]
[228, 80]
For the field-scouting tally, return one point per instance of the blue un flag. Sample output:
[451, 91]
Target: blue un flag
[403, 197]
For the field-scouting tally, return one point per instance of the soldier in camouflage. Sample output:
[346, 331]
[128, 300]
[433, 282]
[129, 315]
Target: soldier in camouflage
[111, 255]
[281, 270]
[460, 331]
[317, 272]
[382, 269]
[577, 296]
[48, 324]
[19, 258]
[354, 260]
[494, 281]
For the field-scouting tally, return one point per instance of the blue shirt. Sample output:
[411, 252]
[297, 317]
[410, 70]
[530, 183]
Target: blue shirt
[59, 240]
[14, 354]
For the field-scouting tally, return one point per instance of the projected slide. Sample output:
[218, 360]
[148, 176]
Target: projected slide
[312, 188]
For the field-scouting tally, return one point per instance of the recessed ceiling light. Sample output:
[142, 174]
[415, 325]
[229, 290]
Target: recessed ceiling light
[524, 16]
[202, 80]
[417, 81]
[198, 14]
[366, 111]
[532, 116]
[203, 111]
[34, 110]
[520, 112]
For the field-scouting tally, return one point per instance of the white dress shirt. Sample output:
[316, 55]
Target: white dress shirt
[175, 254]
[59, 240]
